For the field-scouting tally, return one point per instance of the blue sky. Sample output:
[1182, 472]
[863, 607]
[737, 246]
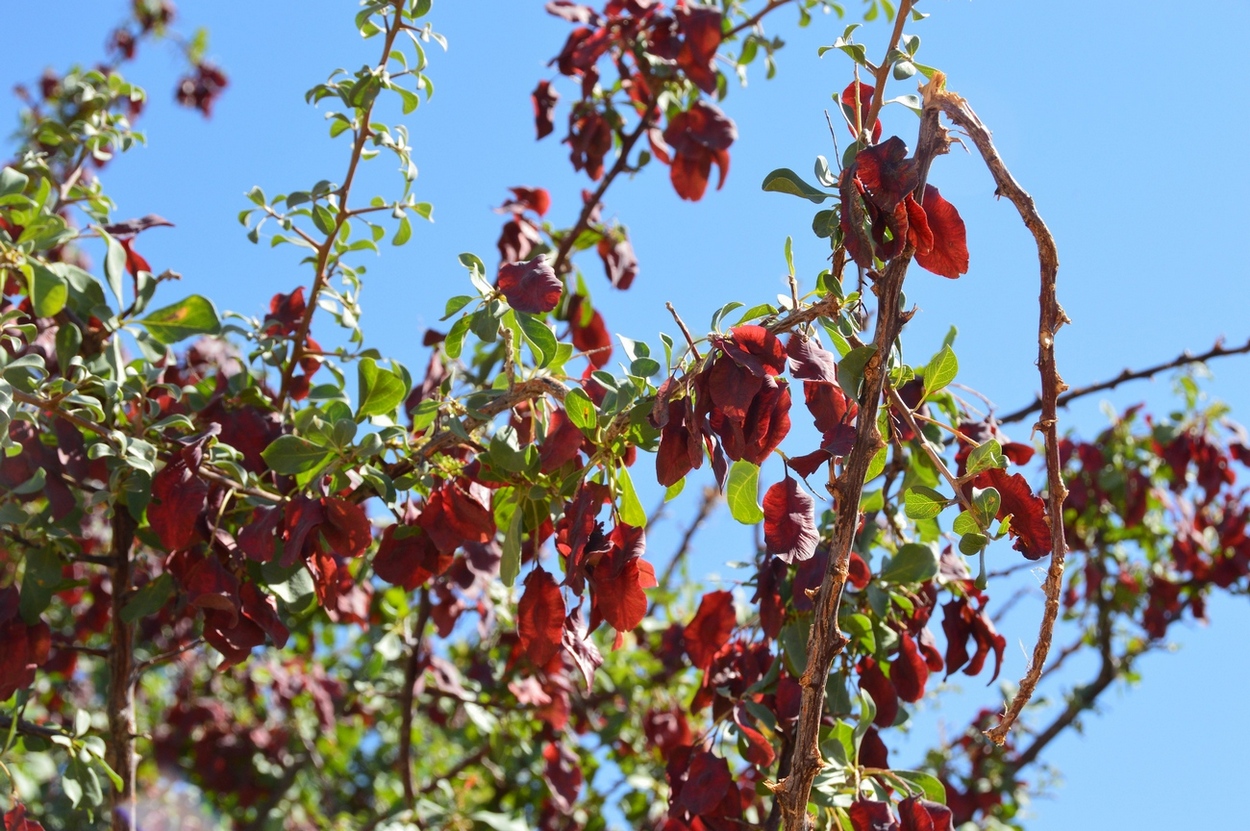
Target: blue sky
[1124, 121]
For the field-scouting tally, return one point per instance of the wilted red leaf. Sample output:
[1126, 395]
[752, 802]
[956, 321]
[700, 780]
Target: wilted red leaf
[261, 609]
[410, 560]
[544, 98]
[759, 751]
[207, 583]
[809, 361]
[710, 628]
[590, 139]
[15, 819]
[667, 730]
[563, 773]
[699, 138]
[922, 815]
[540, 617]
[909, 672]
[530, 286]
[887, 173]
[865, 103]
[707, 781]
[869, 815]
[949, 255]
[517, 240]
[579, 646]
[680, 448]
[618, 579]
[619, 260]
[233, 638]
[178, 499]
[755, 349]
[872, 680]
[959, 622]
[789, 522]
[1029, 523]
[560, 446]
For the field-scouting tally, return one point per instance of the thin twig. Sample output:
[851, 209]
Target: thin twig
[711, 497]
[1051, 317]
[757, 17]
[694, 350]
[166, 657]
[883, 70]
[937, 460]
[1184, 359]
[322, 274]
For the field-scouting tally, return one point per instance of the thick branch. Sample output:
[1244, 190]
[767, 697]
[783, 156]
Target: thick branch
[1219, 350]
[121, 689]
[411, 670]
[1051, 318]
[826, 640]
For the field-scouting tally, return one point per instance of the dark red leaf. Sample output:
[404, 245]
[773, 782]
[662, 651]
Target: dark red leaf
[865, 103]
[25, 648]
[590, 333]
[922, 815]
[871, 816]
[619, 260]
[261, 609]
[858, 573]
[233, 638]
[590, 139]
[560, 446]
[887, 173]
[537, 200]
[579, 646]
[949, 255]
[909, 672]
[755, 349]
[809, 361]
[680, 450]
[872, 680]
[759, 751]
[872, 751]
[809, 463]
[701, 30]
[179, 497]
[789, 522]
[1029, 524]
[707, 782]
[667, 730]
[699, 138]
[540, 617]
[563, 773]
[256, 539]
[518, 239]
[530, 286]
[302, 517]
[710, 628]
[207, 583]
[544, 98]
[346, 527]
[617, 581]
[15, 819]
[410, 560]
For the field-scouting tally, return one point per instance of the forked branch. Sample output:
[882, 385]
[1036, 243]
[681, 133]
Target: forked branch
[1051, 318]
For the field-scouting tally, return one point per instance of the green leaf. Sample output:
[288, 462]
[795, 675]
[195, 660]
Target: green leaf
[876, 465]
[985, 505]
[455, 304]
[381, 390]
[194, 315]
[581, 410]
[510, 564]
[927, 784]
[914, 563]
[455, 337]
[674, 489]
[631, 509]
[12, 181]
[859, 626]
[851, 368]
[291, 455]
[974, 543]
[988, 455]
[150, 599]
[43, 576]
[923, 503]
[965, 524]
[940, 371]
[425, 413]
[785, 180]
[403, 233]
[741, 492]
[114, 266]
[48, 290]
[540, 337]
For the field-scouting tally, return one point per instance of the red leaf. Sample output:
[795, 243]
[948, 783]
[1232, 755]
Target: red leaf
[701, 28]
[577, 644]
[619, 260]
[408, 561]
[302, 517]
[731, 387]
[346, 528]
[680, 450]
[560, 446]
[25, 648]
[909, 672]
[710, 628]
[256, 538]
[286, 310]
[871, 816]
[263, 611]
[887, 173]
[590, 139]
[590, 333]
[754, 348]
[1029, 524]
[949, 255]
[234, 639]
[518, 239]
[809, 361]
[16, 820]
[759, 750]
[699, 138]
[530, 286]
[178, 499]
[873, 681]
[922, 815]
[789, 522]
[707, 781]
[540, 617]
[872, 751]
[544, 98]
[563, 773]
[206, 582]
[618, 579]
[865, 103]
[537, 200]
[858, 573]
[134, 260]
[809, 463]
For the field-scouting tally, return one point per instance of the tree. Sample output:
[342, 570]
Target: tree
[239, 563]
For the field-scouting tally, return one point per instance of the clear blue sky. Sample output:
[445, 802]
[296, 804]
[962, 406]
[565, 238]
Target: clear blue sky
[1125, 122]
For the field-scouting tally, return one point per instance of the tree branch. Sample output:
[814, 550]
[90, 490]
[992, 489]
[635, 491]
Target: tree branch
[1050, 319]
[121, 689]
[1184, 359]
[411, 670]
